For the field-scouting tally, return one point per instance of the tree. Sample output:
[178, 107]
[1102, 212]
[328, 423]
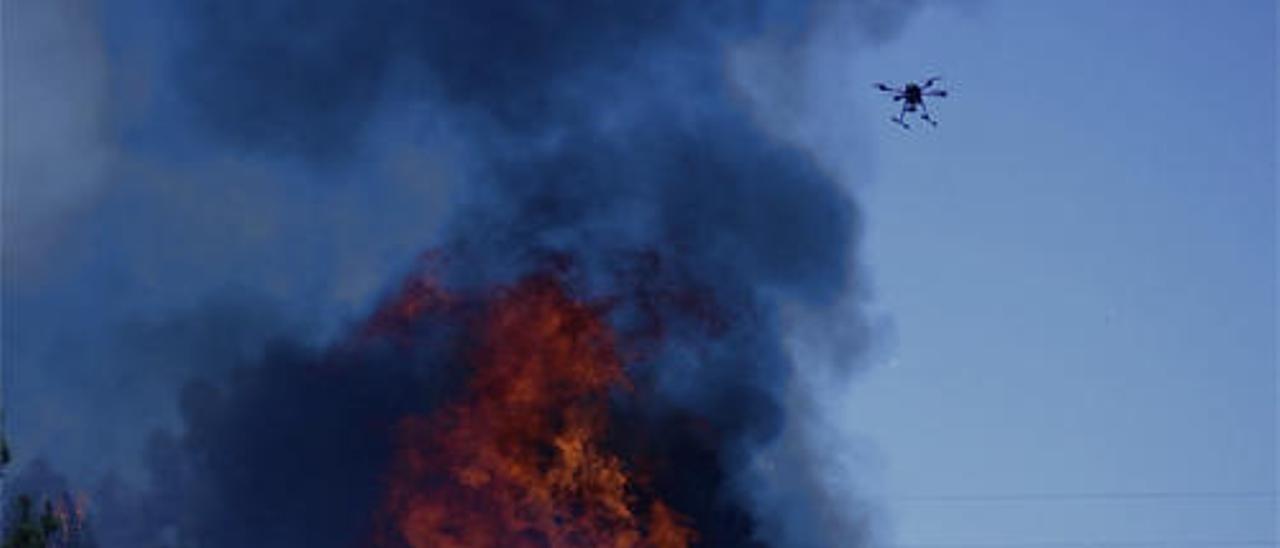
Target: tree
[60, 523]
[25, 531]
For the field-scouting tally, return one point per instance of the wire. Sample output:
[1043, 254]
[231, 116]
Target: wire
[1096, 496]
[1101, 544]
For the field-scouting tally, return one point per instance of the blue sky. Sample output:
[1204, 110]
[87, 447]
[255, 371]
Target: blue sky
[1080, 261]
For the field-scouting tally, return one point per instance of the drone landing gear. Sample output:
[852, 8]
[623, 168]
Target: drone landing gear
[901, 118]
[924, 115]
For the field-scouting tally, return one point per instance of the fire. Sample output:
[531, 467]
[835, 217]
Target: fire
[418, 295]
[71, 513]
[519, 458]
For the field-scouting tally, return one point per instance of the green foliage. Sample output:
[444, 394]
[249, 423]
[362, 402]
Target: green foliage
[58, 525]
[27, 531]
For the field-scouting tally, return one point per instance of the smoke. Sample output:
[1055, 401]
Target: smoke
[274, 167]
[138, 256]
[56, 73]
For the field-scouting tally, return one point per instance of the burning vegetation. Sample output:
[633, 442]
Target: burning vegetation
[620, 394]
[521, 457]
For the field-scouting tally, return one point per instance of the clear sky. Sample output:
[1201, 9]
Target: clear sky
[1081, 265]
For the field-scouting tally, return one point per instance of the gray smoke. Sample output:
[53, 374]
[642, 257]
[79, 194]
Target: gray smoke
[234, 173]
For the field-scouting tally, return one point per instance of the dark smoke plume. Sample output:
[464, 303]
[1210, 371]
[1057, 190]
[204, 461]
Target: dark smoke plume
[602, 143]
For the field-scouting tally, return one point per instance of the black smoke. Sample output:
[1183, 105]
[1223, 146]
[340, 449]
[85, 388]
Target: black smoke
[303, 77]
[602, 140]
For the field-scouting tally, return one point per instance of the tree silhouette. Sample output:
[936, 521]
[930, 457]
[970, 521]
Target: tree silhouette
[59, 523]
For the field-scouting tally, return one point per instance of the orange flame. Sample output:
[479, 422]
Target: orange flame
[71, 511]
[418, 295]
[519, 460]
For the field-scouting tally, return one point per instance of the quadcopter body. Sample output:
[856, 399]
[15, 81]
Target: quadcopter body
[912, 96]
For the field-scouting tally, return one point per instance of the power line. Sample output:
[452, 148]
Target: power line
[1206, 543]
[1095, 496]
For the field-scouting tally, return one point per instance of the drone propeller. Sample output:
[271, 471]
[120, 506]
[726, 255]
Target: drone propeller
[937, 93]
[884, 87]
[931, 81]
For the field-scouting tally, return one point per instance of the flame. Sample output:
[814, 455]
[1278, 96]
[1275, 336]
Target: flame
[71, 512]
[519, 459]
[418, 295]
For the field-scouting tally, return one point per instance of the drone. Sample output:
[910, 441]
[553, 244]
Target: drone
[912, 96]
